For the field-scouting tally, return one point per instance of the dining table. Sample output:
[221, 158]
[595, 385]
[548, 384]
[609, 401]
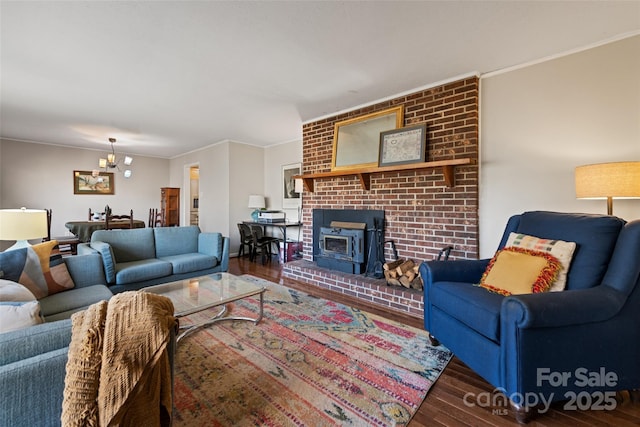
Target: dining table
[84, 229]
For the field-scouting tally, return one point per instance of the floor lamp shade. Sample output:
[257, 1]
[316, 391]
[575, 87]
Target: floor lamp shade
[608, 181]
[22, 225]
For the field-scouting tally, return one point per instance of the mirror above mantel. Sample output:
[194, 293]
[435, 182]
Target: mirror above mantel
[356, 141]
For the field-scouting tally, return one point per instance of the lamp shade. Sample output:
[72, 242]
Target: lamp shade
[256, 202]
[608, 180]
[23, 224]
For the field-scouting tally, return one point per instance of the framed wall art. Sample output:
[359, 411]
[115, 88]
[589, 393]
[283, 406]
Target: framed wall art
[403, 146]
[88, 182]
[356, 141]
[290, 198]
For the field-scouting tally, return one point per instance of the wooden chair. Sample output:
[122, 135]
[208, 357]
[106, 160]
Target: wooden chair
[67, 245]
[117, 221]
[156, 218]
[246, 239]
[263, 243]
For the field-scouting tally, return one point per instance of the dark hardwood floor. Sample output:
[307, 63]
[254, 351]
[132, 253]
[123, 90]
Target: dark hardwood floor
[445, 402]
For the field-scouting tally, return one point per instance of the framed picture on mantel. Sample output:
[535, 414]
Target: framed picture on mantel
[403, 146]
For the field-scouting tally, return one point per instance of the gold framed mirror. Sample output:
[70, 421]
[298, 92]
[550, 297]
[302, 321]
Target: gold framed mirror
[356, 142]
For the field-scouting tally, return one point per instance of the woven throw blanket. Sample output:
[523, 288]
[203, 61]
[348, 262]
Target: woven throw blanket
[118, 371]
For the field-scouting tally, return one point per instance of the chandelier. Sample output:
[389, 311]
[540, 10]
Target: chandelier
[111, 162]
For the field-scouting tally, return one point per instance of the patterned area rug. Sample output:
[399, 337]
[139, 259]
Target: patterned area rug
[309, 362]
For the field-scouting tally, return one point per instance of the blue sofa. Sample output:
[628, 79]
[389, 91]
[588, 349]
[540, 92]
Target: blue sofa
[32, 371]
[544, 345]
[33, 360]
[136, 258]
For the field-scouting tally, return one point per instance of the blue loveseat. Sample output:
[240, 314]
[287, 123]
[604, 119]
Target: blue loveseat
[549, 345]
[142, 257]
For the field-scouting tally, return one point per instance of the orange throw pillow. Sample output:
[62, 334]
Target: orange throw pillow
[516, 271]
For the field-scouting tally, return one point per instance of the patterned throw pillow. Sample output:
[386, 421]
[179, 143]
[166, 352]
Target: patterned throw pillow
[516, 271]
[23, 266]
[35, 267]
[53, 268]
[558, 248]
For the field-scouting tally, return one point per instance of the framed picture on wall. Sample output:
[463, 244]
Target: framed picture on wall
[88, 182]
[290, 198]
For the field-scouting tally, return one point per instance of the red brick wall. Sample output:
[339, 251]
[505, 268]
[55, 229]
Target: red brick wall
[422, 214]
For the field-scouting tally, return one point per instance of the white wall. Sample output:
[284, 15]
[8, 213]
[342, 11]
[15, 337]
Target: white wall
[229, 172]
[248, 174]
[40, 176]
[275, 157]
[539, 122]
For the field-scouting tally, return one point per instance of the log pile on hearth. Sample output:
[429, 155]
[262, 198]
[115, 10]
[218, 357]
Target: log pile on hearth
[403, 272]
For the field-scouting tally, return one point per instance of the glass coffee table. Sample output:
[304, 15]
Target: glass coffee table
[201, 293]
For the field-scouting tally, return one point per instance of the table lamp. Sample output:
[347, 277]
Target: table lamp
[21, 225]
[619, 180]
[256, 202]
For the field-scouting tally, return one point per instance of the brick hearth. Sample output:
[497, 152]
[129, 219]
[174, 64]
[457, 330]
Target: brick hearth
[422, 214]
[359, 286]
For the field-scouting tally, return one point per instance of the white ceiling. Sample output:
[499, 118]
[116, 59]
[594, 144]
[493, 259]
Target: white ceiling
[166, 78]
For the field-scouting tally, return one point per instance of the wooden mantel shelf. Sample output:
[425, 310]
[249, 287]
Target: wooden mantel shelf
[364, 175]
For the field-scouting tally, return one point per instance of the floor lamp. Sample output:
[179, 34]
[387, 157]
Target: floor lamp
[618, 180]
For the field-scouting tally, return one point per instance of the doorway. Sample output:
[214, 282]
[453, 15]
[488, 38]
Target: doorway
[194, 195]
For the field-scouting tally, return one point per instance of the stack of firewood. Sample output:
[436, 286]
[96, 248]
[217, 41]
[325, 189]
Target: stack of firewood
[403, 273]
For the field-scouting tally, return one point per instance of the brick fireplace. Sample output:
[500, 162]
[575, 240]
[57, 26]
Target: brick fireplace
[422, 214]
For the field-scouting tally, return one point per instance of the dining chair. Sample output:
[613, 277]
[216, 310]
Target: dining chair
[263, 243]
[246, 239]
[156, 218]
[118, 221]
[67, 245]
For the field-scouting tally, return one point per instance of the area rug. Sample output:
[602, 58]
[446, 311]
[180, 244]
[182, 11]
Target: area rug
[309, 362]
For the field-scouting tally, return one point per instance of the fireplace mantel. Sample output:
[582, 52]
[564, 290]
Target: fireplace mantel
[364, 174]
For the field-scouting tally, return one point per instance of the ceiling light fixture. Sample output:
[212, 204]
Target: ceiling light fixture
[111, 162]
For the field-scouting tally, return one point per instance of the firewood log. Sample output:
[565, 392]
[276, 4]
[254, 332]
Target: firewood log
[405, 266]
[392, 265]
[417, 283]
[404, 280]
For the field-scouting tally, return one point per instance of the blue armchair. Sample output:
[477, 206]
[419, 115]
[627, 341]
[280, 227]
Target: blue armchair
[551, 346]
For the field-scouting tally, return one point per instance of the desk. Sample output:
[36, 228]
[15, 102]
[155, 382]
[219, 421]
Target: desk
[84, 229]
[282, 226]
